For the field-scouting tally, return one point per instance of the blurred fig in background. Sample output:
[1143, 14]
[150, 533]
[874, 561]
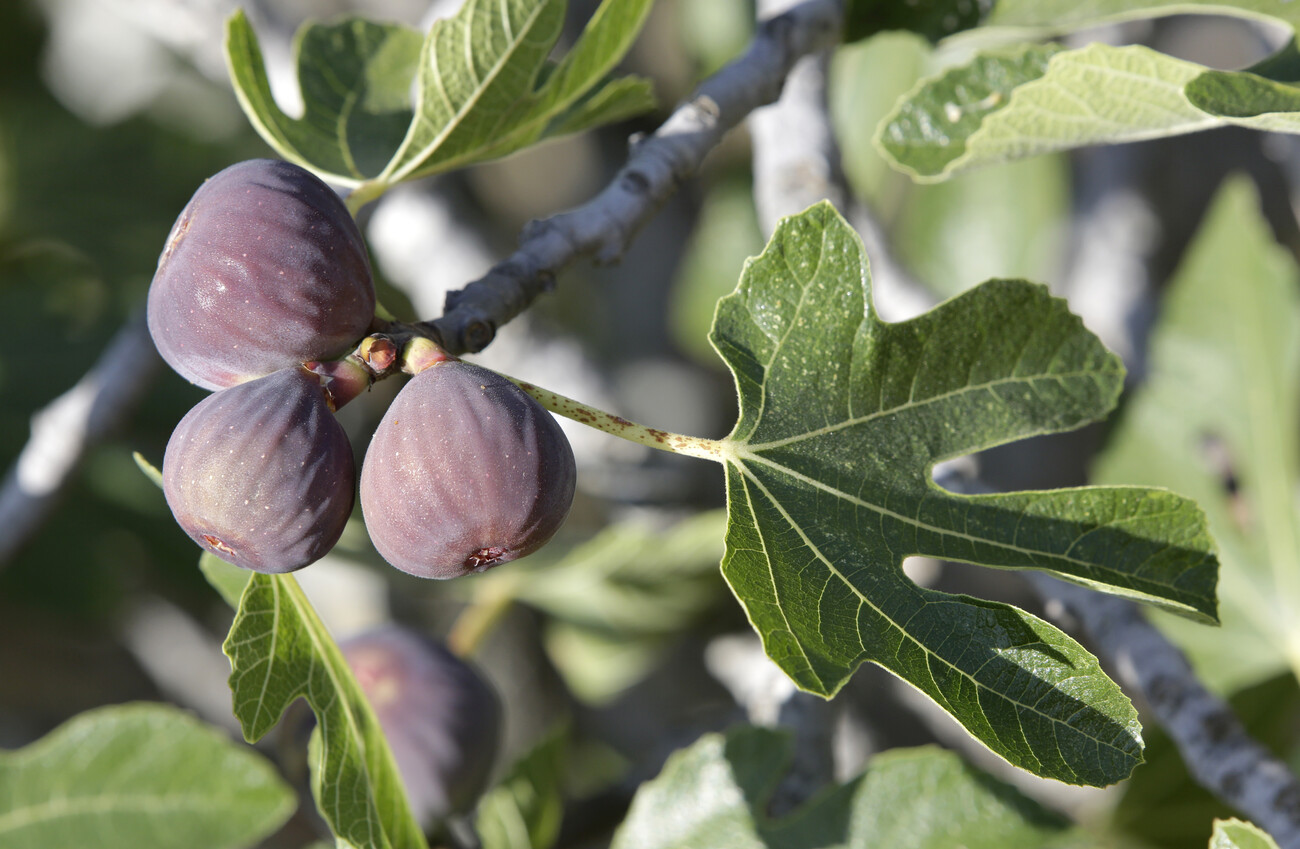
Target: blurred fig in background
[264, 269]
[465, 471]
[261, 474]
[441, 718]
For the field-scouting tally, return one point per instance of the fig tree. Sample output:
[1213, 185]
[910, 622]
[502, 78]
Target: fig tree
[261, 474]
[464, 472]
[441, 719]
[264, 269]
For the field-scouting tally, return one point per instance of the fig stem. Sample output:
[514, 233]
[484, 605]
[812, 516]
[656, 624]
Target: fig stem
[676, 443]
[364, 194]
[478, 619]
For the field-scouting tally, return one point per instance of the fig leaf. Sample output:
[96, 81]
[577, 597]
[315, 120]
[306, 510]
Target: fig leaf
[279, 651]
[842, 419]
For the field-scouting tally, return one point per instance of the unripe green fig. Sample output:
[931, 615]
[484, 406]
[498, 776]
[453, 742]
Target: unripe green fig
[264, 269]
[465, 471]
[441, 718]
[261, 474]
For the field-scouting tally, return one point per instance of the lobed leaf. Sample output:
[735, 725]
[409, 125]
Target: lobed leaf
[1216, 419]
[715, 793]
[280, 651]
[842, 418]
[355, 78]
[139, 775]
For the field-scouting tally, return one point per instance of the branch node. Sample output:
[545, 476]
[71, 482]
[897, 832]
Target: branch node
[477, 335]
[634, 182]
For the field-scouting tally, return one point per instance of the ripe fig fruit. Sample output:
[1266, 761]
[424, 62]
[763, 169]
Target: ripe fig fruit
[264, 269]
[261, 474]
[464, 472]
[442, 720]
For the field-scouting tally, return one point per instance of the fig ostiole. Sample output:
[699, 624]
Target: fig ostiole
[262, 474]
[464, 472]
[264, 268]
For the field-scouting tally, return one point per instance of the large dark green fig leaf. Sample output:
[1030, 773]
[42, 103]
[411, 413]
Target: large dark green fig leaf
[842, 418]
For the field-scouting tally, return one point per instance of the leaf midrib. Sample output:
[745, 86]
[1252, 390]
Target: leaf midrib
[307, 614]
[748, 447]
[99, 804]
[864, 600]
[470, 102]
[741, 455]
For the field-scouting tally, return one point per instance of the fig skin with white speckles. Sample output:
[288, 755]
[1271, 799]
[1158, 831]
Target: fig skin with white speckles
[465, 472]
[261, 474]
[264, 268]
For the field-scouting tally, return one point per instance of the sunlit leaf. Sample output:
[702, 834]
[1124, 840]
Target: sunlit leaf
[936, 19]
[279, 651]
[139, 775]
[1021, 101]
[355, 78]
[1235, 834]
[484, 88]
[829, 490]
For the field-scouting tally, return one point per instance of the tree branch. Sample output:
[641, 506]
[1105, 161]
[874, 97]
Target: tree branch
[1215, 746]
[66, 429]
[796, 164]
[605, 225]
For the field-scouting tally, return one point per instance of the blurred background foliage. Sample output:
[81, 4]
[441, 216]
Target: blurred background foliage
[112, 113]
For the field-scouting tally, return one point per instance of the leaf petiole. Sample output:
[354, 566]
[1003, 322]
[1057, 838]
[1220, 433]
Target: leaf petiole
[716, 450]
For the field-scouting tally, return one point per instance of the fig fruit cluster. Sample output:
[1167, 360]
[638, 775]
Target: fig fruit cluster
[264, 276]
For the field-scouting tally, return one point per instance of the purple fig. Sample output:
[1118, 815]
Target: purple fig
[261, 474]
[464, 472]
[264, 269]
[441, 719]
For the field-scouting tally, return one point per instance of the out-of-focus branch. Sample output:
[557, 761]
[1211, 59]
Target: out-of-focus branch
[66, 429]
[796, 157]
[796, 164]
[1218, 752]
[605, 225]
[1214, 744]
